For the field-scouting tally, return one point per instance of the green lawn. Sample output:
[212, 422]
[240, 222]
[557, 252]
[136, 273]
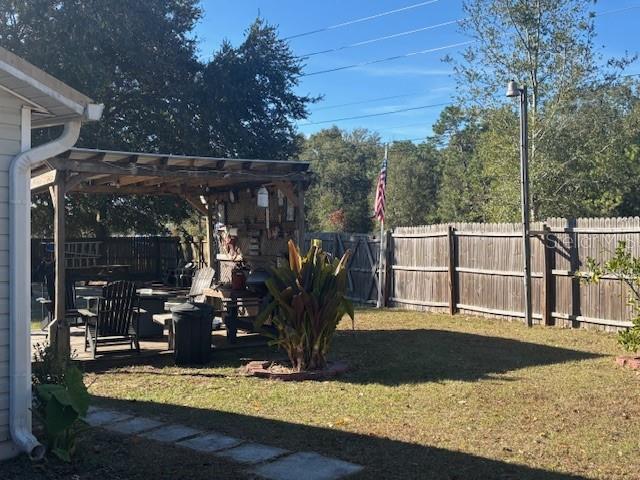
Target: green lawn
[429, 396]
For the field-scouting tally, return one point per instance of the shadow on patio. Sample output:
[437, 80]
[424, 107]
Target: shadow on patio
[382, 458]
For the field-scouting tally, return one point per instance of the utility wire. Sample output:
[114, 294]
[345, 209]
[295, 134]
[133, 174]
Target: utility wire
[379, 39]
[618, 10]
[391, 112]
[363, 19]
[388, 59]
[371, 100]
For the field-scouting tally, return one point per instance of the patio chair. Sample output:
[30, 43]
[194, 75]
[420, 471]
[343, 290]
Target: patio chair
[202, 279]
[71, 311]
[115, 320]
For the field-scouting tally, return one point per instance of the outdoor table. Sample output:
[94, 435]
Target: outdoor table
[151, 301]
[233, 301]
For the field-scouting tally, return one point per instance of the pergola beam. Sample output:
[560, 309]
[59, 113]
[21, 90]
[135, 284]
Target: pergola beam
[45, 180]
[167, 171]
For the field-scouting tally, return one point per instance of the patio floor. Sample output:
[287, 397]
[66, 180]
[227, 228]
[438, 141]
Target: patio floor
[148, 347]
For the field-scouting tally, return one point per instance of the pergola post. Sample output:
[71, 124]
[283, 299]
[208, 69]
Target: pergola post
[211, 231]
[59, 336]
[300, 215]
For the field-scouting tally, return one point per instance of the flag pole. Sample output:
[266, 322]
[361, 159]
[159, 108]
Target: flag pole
[382, 245]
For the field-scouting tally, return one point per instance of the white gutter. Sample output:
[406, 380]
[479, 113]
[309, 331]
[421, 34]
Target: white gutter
[20, 277]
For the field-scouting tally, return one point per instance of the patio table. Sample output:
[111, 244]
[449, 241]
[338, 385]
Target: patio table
[152, 301]
[235, 302]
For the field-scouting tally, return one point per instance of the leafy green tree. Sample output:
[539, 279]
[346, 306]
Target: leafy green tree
[140, 60]
[412, 184]
[549, 46]
[345, 167]
[462, 190]
[248, 100]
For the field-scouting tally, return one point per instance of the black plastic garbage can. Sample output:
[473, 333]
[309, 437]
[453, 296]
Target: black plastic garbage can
[192, 327]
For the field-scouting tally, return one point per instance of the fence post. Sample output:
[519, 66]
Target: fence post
[548, 287]
[388, 259]
[453, 294]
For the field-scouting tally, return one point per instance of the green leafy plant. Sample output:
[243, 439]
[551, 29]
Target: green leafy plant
[61, 400]
[624, 266]
[308, 303]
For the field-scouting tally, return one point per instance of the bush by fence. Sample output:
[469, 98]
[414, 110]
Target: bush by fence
[477, 268]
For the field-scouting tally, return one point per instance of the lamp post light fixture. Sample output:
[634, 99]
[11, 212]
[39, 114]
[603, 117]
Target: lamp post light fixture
[513, 90]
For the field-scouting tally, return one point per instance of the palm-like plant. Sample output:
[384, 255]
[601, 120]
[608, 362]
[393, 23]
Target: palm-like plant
[308, 303]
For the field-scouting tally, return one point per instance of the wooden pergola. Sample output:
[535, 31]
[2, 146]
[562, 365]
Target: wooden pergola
[201, 181]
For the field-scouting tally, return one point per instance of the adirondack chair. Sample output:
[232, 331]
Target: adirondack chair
[71, 310]
[115, 321]
[202, 278]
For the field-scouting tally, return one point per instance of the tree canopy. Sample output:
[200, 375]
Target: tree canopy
[140, 60]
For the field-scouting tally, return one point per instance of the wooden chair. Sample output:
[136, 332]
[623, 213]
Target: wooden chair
[203, 278]
[71, 311]
[115, 321]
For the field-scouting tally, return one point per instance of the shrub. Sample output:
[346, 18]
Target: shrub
[308, 303]
[61, 400]
[624, 266]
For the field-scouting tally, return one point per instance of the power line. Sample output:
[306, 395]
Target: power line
[388, 59]
[375, 114]
[363, 19]
[379, 39]
[360, 102]
[618, 10]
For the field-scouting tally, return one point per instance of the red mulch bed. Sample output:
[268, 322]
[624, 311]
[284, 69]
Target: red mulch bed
[629, 361]
[275, 371]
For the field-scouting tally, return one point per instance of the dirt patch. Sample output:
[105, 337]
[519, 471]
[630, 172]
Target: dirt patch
[276, 371]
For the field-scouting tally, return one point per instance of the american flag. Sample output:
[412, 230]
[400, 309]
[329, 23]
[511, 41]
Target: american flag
[379, 205]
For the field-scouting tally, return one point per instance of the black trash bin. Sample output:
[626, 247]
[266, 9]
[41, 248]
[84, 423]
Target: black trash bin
[192, 327]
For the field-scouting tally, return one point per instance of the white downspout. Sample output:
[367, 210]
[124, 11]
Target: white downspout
[20, 278]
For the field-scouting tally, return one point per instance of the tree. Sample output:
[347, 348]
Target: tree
[248, 99]
[140, 60]
[549, 46]
[462, 188]
[412, 184]
[345, 166]
[136, 58]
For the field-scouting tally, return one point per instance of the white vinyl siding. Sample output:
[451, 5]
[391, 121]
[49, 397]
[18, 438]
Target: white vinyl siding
[10, 108]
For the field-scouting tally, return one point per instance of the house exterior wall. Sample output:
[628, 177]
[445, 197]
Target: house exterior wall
[10, 145]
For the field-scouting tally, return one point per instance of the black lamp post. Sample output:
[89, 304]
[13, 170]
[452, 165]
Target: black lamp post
[513, 90]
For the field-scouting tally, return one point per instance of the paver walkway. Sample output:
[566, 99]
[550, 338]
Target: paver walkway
[266, 461]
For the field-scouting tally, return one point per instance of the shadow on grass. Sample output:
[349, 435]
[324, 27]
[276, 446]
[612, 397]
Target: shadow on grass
[382, 458]
[388, 357]
[394, 357]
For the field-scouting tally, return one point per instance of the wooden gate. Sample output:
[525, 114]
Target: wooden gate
[362, 269]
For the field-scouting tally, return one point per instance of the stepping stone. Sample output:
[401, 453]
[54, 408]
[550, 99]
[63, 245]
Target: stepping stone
[171, 433]
[211, 442]
[97, 417]
[251, 453]
[307, 465]
[133, 426]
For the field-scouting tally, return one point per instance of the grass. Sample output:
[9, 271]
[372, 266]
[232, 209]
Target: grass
[429, 396]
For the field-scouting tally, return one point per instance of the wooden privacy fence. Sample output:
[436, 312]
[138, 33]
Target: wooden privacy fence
[478, 268]
[362, 269]
[146, 257]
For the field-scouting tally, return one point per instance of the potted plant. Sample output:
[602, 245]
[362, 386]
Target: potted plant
[309, 300]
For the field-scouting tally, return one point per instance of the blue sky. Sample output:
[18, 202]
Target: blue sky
[419, 80]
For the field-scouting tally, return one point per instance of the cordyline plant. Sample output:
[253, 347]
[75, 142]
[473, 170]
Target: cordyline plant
[625, 267]
[308, 303]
